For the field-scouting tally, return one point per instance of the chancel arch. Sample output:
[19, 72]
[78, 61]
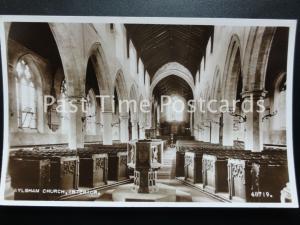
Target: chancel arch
[174, 69]
[172, 116]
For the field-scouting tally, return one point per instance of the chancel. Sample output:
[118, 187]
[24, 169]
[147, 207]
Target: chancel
[212, 127]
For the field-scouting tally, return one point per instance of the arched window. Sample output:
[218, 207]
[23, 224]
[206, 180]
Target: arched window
[26, 96]
[90, 113]
[175, 110]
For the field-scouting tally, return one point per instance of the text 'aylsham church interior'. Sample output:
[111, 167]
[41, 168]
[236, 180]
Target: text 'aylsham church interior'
[99, 154]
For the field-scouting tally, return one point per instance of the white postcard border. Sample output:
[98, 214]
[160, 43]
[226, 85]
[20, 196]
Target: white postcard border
[153, 20]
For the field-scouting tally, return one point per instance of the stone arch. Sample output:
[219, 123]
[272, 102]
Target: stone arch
[120, 85]
[97, 56]
[169, 69]
[232, 69]
[231, 81]
[256, 57]
[70, 63]
[216, 117]
[216, 91]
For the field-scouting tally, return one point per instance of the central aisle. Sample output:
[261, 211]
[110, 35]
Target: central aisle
[169, 167]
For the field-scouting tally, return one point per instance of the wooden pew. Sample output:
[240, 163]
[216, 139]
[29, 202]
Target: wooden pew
[117, 166]
[117, 159]
[214, 173]
[61, 173]
[93, 169]
[269, 176]
[31, 174]
[193, 166]
[257, 177]
[183, 146]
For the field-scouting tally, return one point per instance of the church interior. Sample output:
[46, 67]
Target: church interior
[107, 153]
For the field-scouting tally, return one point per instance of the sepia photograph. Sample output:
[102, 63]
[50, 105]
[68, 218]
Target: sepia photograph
[123, 111]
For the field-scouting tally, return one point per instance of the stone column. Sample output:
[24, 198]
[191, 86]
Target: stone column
[124, 136]
[227, 129]
[253, 126]
[76, 119]
[13, 107]
[206, 131]
[157, 122]
[107, 128]
[196, 134]
[201, 132]
[142, 130]
[191, 124]
[215, 128]
[134, 129]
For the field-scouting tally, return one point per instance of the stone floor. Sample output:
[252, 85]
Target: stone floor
[183, 193]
